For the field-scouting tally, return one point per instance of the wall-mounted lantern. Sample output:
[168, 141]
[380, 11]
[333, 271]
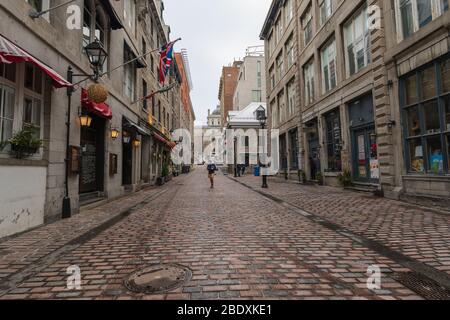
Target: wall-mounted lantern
[85, 119]
[114, 133]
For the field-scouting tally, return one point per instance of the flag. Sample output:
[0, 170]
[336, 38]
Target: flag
[165, 61]
[167, 88]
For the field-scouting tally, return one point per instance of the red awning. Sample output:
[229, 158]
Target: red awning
[164, 140]
[10, 53]
[101, 109]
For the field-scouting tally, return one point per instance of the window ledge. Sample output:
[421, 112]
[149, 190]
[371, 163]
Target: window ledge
[23, 162]
[422, 177]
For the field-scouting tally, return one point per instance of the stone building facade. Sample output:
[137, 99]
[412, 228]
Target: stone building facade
[372, 93]
[101, 167]
[251, 84]
[280, 32]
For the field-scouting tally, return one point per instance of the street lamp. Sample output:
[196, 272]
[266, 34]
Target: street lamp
[262, 118]
[97, 56]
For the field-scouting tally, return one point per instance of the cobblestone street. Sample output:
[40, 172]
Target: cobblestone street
[300, 242]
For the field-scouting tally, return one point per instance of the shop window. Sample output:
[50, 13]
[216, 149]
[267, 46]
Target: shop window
[293, 141]
[431, 115]
[416, 155]
[413, 121]
[333, 134]
[428, 122]
[445, 76]
[428, 83]
[411, 90]
[435, 155]
[447, 113]
[448, 150]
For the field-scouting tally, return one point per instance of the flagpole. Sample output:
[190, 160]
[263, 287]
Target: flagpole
[126, 63]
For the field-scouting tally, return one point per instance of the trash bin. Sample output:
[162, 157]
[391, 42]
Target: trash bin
[257, 171]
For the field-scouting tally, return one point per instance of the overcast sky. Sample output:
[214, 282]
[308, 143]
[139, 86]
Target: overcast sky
[214, 32]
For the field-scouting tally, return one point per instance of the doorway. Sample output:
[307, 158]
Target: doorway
[127, 160]
[92, 144]
[365, 155]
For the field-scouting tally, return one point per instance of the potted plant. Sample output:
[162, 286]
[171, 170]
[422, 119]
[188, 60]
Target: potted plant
[25, 142]
[345, 178]
[319, 178]
[165, 172]
[301, 176]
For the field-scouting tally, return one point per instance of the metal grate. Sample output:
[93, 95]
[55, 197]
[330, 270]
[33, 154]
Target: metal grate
[423, 286]
[158, 279]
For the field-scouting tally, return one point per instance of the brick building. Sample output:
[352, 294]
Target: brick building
[228, 82]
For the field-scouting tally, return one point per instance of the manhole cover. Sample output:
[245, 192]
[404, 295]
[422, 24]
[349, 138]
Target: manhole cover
[158, 279]
[425, 287]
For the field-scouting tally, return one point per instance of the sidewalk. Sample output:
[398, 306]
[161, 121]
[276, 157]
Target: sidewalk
[416, 232]
[20, 251]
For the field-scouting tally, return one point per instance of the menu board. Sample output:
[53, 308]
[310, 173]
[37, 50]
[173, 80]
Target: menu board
[88, 164]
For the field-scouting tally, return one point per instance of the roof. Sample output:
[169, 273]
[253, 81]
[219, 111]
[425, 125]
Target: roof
[216, 112]
[247, 116]
[273, 11]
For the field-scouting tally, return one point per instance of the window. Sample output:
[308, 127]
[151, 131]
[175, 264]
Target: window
[308, 75]
[328, 57]
[290, 51]
[411, 15]
[307, 25]
[326, 9]
[357, 42]
[333, 135]
[129, 70]
[33, 96]
[293, 142]
[426, 113]
[7, 102]
[280, 67]
[281, 108]
[94, 18]
[36, 4]
[272, 77]
[21, 102]
[144, 47]
[259, 73]
[291, 97]
[289, 11]
[129, 14]
[144, 94]
[256, 96]
[279, 28]
[32, 113]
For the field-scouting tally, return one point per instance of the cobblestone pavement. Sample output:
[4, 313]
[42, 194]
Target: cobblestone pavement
[238, 243]
[416, 232]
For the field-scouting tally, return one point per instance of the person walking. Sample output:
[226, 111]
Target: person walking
[212, 168]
